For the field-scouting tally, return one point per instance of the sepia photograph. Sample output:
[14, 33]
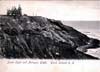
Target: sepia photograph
[49, 36]
[41, 30]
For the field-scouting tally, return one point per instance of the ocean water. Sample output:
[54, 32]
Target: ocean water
[85, 25]
[93, 34]
[89, 28]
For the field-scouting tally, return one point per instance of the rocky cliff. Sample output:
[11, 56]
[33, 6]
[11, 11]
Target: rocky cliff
[43, 38]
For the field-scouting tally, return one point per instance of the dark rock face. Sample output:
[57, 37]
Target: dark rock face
[39, 37]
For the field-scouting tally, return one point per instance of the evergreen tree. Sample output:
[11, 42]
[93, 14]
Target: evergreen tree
[19, 11]
[15, 12]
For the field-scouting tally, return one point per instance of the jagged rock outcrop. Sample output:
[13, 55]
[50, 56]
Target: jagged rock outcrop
[39, 37]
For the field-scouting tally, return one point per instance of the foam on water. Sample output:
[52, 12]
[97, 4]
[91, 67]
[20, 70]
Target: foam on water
[93, 34]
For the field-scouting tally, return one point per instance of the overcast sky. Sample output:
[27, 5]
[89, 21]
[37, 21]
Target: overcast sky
[62, 10]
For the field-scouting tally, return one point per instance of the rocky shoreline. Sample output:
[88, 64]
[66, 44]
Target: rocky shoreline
[39, 37]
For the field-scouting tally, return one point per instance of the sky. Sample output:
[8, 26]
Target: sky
[60, 10]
